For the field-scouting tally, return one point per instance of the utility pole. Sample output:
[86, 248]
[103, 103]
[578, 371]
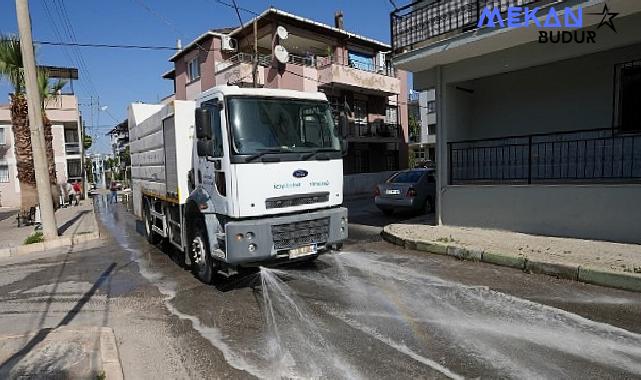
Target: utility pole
[41, 167]
[255, 66]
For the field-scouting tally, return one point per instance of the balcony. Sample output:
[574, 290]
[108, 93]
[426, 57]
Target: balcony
[376, 131]
[72, 148]
[237, 70]
[377, 79]
[593, 156]
[424, 22]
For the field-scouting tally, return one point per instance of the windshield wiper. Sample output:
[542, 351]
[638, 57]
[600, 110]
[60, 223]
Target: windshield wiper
[264, 151]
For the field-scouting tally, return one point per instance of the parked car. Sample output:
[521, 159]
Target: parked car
[408, 190]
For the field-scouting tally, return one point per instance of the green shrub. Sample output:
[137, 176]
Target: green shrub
[36, 237]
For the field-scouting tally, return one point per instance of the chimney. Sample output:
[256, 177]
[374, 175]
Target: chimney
[338, 20]
[179, 44]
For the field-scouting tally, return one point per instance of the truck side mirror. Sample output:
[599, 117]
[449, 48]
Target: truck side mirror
[203, 123]
[205, 148]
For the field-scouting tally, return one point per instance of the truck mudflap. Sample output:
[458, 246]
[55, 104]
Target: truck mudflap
[284, 237]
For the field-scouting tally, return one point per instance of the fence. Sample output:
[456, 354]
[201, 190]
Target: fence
[592, 156]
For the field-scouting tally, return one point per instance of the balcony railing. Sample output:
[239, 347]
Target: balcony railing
[593, 156]
[362, 129]
[387, 70]
[72, 148]
[425, 20]
[263, 60]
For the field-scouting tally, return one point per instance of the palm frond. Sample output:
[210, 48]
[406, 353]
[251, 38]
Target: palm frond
[11, 62]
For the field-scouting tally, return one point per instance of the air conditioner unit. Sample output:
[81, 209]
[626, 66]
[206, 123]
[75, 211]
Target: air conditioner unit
[228, 43]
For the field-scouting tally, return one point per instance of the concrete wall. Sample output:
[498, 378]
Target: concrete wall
[599, 212]
[363, 183]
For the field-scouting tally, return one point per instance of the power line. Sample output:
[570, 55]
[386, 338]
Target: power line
[113, 46]
[238, 13]
[239, 8]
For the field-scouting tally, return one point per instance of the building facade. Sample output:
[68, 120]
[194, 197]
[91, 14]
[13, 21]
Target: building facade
[422, 144]
[66, 128]
[353, 71]
[533, 134]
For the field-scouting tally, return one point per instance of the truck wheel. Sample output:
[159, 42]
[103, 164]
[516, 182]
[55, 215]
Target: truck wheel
[152, 237]
[201, 261]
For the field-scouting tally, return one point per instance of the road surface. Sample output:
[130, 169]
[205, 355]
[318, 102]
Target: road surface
[373, 311]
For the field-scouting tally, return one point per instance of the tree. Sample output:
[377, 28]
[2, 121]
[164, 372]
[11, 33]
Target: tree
[11, 69]
[414, 133]
[88, 141]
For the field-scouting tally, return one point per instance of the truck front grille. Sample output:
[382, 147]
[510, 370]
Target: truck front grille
[298, 234]
[296, 200]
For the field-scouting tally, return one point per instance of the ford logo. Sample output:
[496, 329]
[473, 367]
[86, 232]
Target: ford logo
[300, 174]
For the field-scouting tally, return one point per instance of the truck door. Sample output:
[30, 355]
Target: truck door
[210, 172]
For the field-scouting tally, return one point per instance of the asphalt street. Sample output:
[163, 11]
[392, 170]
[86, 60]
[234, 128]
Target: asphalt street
[372, 311]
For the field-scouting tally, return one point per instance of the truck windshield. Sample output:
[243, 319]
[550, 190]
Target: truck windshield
[281, 126]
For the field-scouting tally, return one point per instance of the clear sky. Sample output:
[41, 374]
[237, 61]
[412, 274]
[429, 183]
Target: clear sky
[121, 76]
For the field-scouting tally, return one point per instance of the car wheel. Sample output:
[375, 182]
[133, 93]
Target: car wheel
[388, 212]
[152, 237]
[201, 261]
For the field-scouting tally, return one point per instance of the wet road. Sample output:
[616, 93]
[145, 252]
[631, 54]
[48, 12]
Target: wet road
[372, 311]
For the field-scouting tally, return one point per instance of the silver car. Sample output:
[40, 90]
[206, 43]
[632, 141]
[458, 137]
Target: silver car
[408, 190]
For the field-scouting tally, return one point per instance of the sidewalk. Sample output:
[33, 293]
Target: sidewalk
[597, 262]
[75, 224]
[65, 353]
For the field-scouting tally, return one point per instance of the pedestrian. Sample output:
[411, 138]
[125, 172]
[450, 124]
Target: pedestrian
[70, 192]
[114, 192]
[77, 191]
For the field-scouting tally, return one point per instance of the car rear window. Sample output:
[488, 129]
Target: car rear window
[406, 177]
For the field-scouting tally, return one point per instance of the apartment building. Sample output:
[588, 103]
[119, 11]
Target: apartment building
[66, 128]
[539, 117]
[354, 71]
[422, 144]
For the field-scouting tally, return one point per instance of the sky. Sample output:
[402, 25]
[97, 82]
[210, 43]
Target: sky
[110, 79]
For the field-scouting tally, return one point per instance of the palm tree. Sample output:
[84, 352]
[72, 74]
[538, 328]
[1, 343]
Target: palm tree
[11, 69]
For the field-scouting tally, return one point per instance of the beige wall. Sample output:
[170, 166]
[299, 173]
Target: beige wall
[600, 212]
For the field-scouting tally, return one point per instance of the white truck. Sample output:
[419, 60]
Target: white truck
[239, 177]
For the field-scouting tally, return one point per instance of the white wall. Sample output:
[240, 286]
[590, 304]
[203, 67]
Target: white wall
[599, 212]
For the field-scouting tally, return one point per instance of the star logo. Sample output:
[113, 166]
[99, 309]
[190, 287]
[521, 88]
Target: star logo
[607, 18]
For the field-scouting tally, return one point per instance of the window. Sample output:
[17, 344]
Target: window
[628, 97]
[3, 137]
[74, 169]
[360, 110]
[409, 176]
[216, 130]
[4, 172]
[431, 129]
[193, 69]
[431, 106]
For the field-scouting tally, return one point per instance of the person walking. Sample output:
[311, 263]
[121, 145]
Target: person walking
[77, 191]
[114, 192]
[70, 193]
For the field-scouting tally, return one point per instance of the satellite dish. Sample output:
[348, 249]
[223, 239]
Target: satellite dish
[281, 54]
[282, 33]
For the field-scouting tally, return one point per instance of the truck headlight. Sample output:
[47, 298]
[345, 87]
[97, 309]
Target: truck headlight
[250, 235]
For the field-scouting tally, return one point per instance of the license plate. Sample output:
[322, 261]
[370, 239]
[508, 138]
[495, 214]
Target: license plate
[392, 192]
[302, 251]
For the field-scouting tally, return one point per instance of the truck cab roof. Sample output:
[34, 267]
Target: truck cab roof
[270, 92]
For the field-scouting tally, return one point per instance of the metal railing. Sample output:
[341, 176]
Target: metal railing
[362, 129]
[72, 148]
[263, 60]
[386, 69]
[427, 19]
[591, 156]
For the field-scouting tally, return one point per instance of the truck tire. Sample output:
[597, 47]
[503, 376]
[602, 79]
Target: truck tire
[152, 237]
[201, 260]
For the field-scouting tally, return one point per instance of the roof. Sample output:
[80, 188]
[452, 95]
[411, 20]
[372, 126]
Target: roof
[277, 12]
[247, 27]
[169, 74]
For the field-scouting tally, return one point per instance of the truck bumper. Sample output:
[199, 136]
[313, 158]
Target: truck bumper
[271, 239]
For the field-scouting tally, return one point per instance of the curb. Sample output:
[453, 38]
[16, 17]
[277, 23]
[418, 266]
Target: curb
[109, 355]
[566, 271]
[60, 242]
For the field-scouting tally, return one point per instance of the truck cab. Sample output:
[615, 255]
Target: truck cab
[265, 182]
